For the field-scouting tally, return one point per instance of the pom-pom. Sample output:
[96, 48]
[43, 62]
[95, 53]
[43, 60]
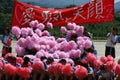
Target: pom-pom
[16, 31]
[19, 60]
[63, 30]
[75, 53]
[67, 70]
[22, 42]
[41, 26]
[91, 58]
[117, 70]
[70, 26]
[24, 72]
[50, 25]
[10, 70]
[33, 24]
[24, 32]
[110, 58]
[1, 65]
[20, 51]
[55, 69]
[88, 44]
[104, 59]
[110, 65]
[38, 32]
[45, 33]
[7, 55]
[37, 66]
[81, 72]
[118, 61]
[97, 64]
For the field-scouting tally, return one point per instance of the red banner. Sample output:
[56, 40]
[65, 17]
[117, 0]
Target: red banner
[92, 12]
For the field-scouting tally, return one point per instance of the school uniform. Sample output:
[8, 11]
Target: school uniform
[110, 47]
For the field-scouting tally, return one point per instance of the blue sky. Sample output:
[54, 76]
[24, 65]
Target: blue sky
[117, 0]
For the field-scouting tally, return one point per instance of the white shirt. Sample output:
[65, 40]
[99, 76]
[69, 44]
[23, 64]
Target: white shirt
[110, 38]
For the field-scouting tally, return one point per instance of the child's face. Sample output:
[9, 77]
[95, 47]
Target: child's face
[114, 32]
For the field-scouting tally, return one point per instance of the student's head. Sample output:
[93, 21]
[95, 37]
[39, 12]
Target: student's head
[7, 30]
[114, 30]
[50, 60]
[63, 61]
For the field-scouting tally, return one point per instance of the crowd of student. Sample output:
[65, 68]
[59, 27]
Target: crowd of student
[40, 56]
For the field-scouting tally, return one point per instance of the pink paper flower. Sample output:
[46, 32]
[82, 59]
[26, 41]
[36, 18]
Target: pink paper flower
[70, 26]
[20, 51]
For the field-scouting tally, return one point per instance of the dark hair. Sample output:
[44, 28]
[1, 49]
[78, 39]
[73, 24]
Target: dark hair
[115, 29]
[26, 59]
[8, 29]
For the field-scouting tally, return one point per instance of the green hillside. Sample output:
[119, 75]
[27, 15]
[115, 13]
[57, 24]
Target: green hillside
[98, 30]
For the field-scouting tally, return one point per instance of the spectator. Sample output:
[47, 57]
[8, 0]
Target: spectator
[111, 42]
[6, 40]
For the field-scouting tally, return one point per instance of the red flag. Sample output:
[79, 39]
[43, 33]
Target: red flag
[91, 12]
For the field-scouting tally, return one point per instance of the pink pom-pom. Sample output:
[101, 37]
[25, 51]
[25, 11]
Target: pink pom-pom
[73, 44]
[118, 61]
[34, 24]
[38, 32]
[45, 33]
[97, 64]
[19, 60]
[80, 31]
[37, 66]
[10, 70]
[75, 53]
[81, 72]
[20, 51]
[41, 26]
[117, 70]
[51, 43]
[110, 65]
[50, 25]
[63, 54]
[7, 55]
[104, 59]
[24, 32]
[24, 72]
[70, 26]
[30, 31]
[110, 58]
[59, 40]
[22, 42]
[91, 58]
[67, 70]
[1, 65]
[16, 31]
[88, 44]
[55, 69]
[63, 30]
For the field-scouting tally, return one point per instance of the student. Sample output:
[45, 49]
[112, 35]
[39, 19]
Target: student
[111, 42]
[6, 40]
